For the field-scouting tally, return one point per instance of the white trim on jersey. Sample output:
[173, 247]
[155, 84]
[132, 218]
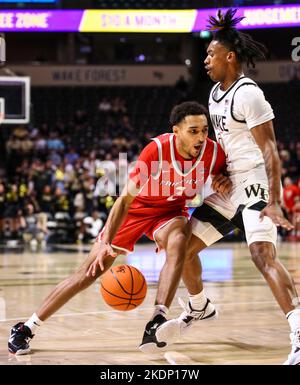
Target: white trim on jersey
[214, 158]
[160, 157]
[232, 132]
[121, 248]
[175, 164]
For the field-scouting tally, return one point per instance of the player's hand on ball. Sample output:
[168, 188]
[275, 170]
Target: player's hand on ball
[274, 212]
[105, 250]
[221, 184]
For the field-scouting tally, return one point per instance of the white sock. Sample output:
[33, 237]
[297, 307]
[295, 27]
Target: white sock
[160, 309]
[198, 301]
[33, 323]
[293, 318]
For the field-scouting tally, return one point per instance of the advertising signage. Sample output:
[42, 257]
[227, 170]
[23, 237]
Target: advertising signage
[143, 21]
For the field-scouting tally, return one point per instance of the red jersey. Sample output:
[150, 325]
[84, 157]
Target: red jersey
[165, 179]
[290, 193]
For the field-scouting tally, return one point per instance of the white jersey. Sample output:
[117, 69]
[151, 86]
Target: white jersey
[233, 113]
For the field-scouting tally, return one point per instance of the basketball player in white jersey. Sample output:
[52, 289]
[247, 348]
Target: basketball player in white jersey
[242, 120]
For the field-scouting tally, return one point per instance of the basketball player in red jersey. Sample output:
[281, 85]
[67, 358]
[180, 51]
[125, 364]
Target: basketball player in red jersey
[171, 169]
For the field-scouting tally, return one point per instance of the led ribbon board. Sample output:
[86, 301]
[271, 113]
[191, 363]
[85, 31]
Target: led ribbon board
[28, 1]
[142, 21]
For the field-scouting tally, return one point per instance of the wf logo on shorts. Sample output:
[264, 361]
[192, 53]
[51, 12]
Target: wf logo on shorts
[296, 51]
[256, 190]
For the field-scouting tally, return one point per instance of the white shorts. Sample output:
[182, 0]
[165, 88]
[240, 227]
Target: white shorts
[220, 214]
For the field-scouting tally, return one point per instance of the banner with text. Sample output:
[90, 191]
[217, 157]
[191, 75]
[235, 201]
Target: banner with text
[272, 72]
[275, 72]
[102, 75]
[91, 20]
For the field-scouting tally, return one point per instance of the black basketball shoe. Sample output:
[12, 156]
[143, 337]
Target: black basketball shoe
[20, 336]
[149, 343]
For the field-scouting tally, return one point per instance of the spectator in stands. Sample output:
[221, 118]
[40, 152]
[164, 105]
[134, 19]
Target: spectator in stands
[120, 142]
[288, 165]
[296, 218]
[54, 142]
[104, 105]
[11, 214]
[34, 227]
[70, 176]
[91, 163]
[40, 145]
[119, 106]
[46, 200]
[18, 147]
[40, 175]
[25, 143]
[88, 191]
[126, 126]
[59, 176]
[290, 196]
[55, 158]
[71, 156]
[23, 170]
[2, 209]
[90, 227]
[61, 201]
[106, 141]
[79, 204]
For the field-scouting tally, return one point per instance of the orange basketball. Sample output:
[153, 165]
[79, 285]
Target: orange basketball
[123, 287]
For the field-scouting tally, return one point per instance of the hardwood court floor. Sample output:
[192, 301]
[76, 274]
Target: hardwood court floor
[250, 330]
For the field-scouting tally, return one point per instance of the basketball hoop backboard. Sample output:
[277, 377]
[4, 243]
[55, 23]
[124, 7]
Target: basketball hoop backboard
[2, 109]
[15, 90]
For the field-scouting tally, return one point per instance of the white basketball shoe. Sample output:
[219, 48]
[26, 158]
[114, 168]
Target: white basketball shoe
[294, 356]
[170, 331]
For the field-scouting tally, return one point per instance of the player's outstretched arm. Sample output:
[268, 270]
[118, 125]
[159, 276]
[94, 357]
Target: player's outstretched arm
[265, 138]
[114, 221]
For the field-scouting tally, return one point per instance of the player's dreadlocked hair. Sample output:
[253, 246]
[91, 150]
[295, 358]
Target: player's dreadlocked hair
[224, 28]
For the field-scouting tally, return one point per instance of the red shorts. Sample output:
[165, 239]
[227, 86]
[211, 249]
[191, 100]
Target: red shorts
[139, 221]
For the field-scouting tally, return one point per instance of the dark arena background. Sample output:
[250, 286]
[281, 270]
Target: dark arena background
[82, 82]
